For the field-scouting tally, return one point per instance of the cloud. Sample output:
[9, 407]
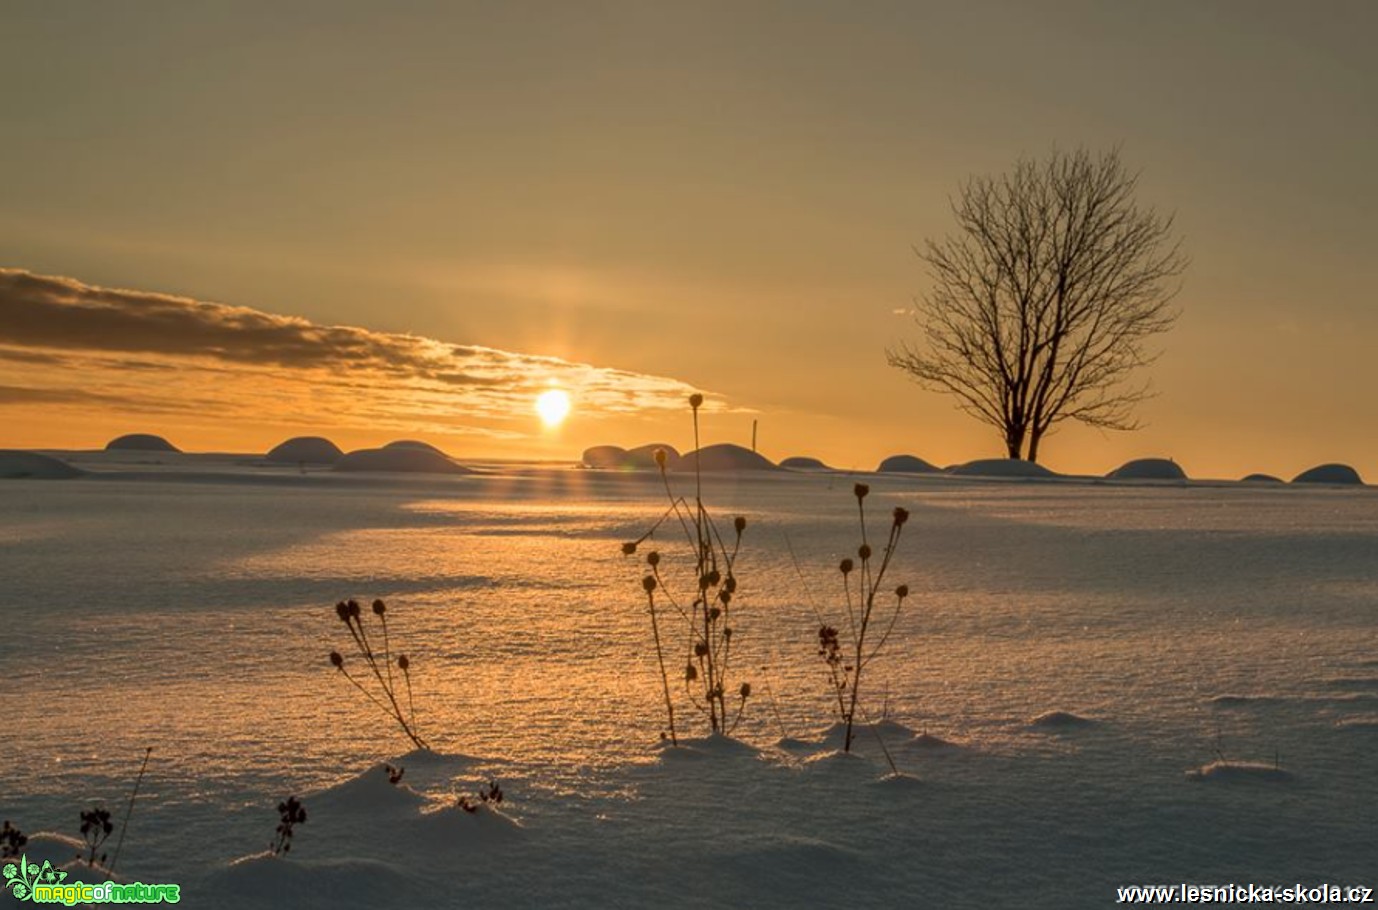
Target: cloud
[153, 350]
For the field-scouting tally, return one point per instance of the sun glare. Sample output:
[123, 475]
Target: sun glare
[553, 406]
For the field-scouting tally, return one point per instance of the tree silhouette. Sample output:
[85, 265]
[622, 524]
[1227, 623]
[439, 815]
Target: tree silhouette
[1044, 298]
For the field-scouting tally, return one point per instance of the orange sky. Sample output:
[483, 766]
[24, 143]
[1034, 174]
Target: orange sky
[634, 200]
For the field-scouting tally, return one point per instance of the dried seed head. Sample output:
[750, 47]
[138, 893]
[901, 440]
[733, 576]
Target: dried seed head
[354, 609]
[714, 576]
[660, 457]
[902, 592]
[846, 566]
[864, 551]
[746, 691]
[337, 660]
[713, 614]
[861, 490]
[628, 548]
[700, 650]
[725, 596]
[379, 608]
[901, 515]
[727, 632]
[731, 584]
[649, 583]
[695, 401]
[691, 672]
[342, 611]
[739, 523]
[653, 559]
[403, 663]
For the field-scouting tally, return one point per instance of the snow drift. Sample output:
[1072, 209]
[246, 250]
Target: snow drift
[906, 464]
[16, 465]
[1149, 469]
[401, 460]
[724, 457]
[804, 463]
[1329, 473]
[140, 442]
[309, 449]
[1000, 467]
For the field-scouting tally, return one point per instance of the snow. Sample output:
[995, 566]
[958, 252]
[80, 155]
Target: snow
[140, 442]
[605, 457]
[1000, 467]
[723, 457]
[1060, 720]
[804, 463]
[17, 465]
[1149, 469]
[308, 449]
[1329, 473]
[1226, 772]
[413, 444]
[400, 459]
[905, 464]
[1260, 478]
[640, 458]
[195, 615]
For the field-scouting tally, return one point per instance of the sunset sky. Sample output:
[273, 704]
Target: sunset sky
[368, 220]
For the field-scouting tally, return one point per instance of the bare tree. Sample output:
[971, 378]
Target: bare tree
[1045, 297]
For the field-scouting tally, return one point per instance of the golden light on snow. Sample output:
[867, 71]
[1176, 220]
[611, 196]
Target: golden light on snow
[553, 406]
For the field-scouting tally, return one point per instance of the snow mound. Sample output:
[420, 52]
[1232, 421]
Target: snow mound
[414, 444]
[1149, 469]
[1329, 473]
[604, 457]
[1000, 467]
[715, 745]
[140, 442]
[1061, 720]
[1260, 478]
[898, 780]
[51, 847]
[309, 449]
[804, 463]
[451, 827]
[645, 456]
[1230, 771]
[369, 794]
[401, 459]
[264, 880]
[864, 736]
[724, 456]
[616, 458]
[927, 742]
[16, 465]
[906, 464]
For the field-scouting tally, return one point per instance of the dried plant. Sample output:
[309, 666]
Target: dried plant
[95, 828]
[707, 616]
[490, 795]
[12, 841]
[379, 665]
[291, 813]
[847, 654]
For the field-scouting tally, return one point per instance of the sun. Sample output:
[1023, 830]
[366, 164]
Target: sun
[553, 406]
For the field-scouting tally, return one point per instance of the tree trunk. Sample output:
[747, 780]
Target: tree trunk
[1034, 438]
